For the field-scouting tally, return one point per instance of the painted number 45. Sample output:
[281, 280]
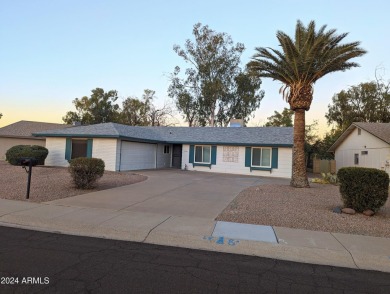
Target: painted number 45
[221, 240]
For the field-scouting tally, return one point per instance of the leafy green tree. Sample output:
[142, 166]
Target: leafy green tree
[185, 95]
[321, 147]
[298, 65]
[143, 112]
[133, 112]
[242, 101]
[214, 89]
[1, 115]
[100, 107]
[366, 102]
[283, 119]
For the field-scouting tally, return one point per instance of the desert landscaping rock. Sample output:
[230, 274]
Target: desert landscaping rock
[51, 183]
[348, 210]
[368, 212]
[303, 208]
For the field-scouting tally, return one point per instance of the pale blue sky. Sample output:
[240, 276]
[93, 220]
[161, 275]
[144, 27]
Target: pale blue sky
[54, 51]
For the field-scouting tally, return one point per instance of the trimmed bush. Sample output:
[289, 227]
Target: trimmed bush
[86, 171]
[363, 188]
[38, 152]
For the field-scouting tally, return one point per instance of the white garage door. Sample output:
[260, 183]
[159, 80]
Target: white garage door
[137, 156]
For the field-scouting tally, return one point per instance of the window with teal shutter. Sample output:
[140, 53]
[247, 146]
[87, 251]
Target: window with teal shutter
[261, 158]
[68, 148]
[89, 148]
[275, 158]
[214, 155]
[191, 159]
[248, 156]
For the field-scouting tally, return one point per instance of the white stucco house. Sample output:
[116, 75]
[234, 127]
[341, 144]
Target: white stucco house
[364, 145]
[264, 151]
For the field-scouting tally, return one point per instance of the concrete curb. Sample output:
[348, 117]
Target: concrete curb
[163, 234]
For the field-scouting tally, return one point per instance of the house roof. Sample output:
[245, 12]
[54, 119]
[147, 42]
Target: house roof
[264, 136]
[379, 130]
[24, 129]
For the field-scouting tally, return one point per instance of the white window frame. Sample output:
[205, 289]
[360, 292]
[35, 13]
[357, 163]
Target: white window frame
[261, 157]
[203, 162]
[167, 147]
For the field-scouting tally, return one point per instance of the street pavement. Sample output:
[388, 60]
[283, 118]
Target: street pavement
[57, 263]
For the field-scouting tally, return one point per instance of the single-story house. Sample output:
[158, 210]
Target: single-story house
[364, 145]
[263, 151]
[20, 133]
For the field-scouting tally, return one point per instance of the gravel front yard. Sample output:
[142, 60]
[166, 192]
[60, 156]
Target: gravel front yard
[50, 183]
[306, 208]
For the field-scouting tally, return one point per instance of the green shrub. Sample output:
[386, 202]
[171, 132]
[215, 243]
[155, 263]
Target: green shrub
[363, 188]
[86, 171]
[38, 152]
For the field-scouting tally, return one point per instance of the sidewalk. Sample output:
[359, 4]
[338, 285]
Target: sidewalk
[353, 251]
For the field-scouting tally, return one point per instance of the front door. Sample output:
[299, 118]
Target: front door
[176, 155]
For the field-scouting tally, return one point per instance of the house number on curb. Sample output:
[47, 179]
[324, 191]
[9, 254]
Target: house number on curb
[221, 240]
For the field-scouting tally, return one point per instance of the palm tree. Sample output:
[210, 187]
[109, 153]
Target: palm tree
[299, 64]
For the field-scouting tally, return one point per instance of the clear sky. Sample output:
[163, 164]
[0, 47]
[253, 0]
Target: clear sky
[54, 51]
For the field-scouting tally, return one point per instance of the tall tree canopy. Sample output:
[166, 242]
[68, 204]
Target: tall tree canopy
[281, 119]
[100, 107]
[366, 102]
[143, 112]
[214, 89]
[134, 112]
[298, 64]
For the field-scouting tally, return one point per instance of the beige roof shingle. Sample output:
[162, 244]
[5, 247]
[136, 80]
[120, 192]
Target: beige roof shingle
[379, 130]
[24, 129]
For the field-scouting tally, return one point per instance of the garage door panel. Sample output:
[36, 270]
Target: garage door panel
[136, 156]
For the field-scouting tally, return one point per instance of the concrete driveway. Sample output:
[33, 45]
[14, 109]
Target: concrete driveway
[172, 192]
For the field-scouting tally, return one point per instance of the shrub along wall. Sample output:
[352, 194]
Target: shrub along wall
[363, 188]
[38, 152]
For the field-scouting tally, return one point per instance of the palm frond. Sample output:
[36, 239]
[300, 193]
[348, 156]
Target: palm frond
[306, 58]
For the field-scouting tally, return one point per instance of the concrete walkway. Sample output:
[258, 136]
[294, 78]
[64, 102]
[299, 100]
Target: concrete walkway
[195, 232]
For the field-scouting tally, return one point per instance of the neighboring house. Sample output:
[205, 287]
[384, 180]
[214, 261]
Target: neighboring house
[20, 133]
[252, 151]
[364, 145]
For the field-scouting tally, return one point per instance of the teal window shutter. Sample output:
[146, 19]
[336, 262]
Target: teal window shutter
[191, 159]
[214, 155]
[68, 149]
[89, 148]
[274, 163]
[248, 156]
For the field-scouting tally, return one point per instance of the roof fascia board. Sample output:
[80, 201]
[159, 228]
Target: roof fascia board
[74, 135]
[132, 139]
[21, 137]
[232, 144]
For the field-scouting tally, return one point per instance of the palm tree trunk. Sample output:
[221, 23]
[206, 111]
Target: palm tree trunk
[299, 176]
